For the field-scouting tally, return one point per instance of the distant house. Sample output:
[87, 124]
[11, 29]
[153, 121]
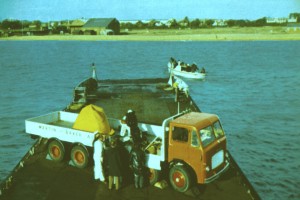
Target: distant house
[161, 22]
[220, 23]
[170, 22]
[76, 25]
[292, 20]
[77, 32]
[89, 32]
[292, 27]
[276, 20]
[129, 21]
[102, 26]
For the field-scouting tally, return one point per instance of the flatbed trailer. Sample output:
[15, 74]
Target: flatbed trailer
[59, 124]
[36, 177]
[58, 127]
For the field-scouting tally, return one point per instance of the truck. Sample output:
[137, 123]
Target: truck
[189, 146]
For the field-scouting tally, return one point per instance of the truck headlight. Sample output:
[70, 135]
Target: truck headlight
[207, 169]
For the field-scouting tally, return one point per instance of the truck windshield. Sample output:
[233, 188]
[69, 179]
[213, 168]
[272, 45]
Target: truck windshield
[210, 133]
[218, 129]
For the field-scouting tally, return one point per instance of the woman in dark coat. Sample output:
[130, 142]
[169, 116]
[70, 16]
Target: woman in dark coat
[114, 165]
[137, 163]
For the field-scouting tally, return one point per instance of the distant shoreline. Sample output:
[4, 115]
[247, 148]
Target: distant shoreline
[202, 37]
[215, 34]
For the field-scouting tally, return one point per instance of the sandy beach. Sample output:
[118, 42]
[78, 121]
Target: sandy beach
[212, 34]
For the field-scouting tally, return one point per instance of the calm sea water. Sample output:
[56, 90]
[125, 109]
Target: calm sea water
[253, 86]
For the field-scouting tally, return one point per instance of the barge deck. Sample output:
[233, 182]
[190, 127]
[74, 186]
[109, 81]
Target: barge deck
[37, 177]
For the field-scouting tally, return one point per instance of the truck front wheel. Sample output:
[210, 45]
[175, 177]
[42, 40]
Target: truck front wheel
[56, 150]
[180, 178]
[153, 176]
[79, 156]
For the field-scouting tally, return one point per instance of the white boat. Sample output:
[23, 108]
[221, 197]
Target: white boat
[183, 70]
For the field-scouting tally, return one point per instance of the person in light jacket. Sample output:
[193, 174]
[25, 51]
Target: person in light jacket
[125, 130]
[98, 158]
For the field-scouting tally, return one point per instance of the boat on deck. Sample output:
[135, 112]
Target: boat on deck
[38, 177]
[182, 69]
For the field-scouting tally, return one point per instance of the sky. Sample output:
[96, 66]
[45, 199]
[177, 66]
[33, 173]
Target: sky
[48, 10]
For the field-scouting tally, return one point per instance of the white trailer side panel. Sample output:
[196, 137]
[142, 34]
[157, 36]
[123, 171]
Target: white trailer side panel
[42, 126]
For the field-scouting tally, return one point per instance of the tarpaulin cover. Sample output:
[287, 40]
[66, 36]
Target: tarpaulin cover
[92, 118]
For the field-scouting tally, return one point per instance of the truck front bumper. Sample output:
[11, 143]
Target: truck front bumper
[217, 175]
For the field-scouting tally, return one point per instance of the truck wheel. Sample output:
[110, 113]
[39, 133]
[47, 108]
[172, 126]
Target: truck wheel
[79, 156]
[56, 150]
[153, 176]
[180, 178]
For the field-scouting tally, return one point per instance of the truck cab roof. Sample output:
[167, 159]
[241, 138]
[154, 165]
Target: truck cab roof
[196, 119]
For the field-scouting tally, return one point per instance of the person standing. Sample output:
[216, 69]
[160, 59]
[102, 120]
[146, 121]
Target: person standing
[131, 121]
[125, 130]
[137, 163]
[114, 165]
[98, 158]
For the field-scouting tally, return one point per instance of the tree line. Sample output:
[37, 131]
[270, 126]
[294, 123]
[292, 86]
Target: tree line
[152, 24]
[193, 24]
[19, 24]
[36, 25]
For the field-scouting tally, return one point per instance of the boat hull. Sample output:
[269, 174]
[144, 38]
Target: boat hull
[191, 75]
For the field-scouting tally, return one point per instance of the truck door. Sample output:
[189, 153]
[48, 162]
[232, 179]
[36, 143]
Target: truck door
[195, 153]
[178, 143]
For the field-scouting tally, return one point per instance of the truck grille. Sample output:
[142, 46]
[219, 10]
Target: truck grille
[217, 159]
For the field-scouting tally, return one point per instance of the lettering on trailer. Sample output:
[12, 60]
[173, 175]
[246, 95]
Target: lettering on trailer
[79, 134]
[73, 133]
[47, 128]
[67, 132]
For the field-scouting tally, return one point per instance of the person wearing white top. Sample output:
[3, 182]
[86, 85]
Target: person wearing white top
[125, 130]
[98, 159]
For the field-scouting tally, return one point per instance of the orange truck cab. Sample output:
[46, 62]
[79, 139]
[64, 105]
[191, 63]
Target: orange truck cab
[196, 150]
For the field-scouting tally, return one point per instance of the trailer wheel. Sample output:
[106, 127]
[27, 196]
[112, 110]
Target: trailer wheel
[153, 176]
[79, 156]
[56, 150]
[180, 178]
